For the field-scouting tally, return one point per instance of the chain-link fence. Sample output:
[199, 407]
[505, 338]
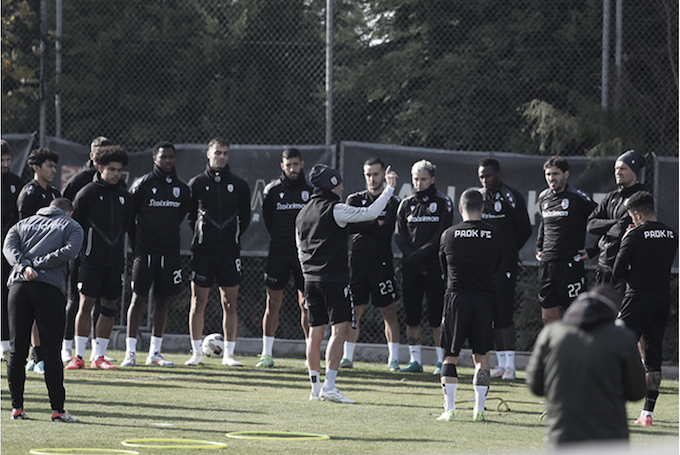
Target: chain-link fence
[519, 76]
[501, 75]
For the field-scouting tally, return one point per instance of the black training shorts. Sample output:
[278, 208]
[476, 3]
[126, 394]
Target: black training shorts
[560, 283]
[278, 270]
[374, 280]
[328, 302]
[163, 271]
[96, 280]
[506, 280]
[646, 314]
[225, 268]
[415, 284]
[467, 317]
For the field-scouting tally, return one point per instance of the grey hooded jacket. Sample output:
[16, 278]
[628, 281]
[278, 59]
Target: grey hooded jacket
[45, 241]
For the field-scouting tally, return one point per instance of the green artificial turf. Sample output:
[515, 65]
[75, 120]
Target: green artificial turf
[395, 413]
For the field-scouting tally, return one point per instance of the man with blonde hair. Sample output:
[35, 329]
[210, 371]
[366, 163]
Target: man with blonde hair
[421, 219]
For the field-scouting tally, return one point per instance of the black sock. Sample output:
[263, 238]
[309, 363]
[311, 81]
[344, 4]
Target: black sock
[650, 401]
[38, 354]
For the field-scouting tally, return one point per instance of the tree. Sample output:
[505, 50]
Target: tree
[20, 63]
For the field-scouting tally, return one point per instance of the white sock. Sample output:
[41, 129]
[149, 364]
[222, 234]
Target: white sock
[81, 342]
[348, 350]
[480, 397]
[510, 359]
[231, 345]
[155, 345]
[500, 355]
[449, 396]
[5, 345]
[393, 349]
[647, 413]
[66, 345]
[100, 348]
[314, 379]
[440, 354]
[329, 381]
[131, 345]
[414, 352]
[93, 343]
[196, 347]
[267, 345]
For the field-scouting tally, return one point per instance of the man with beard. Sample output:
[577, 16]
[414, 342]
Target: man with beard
[283, 200]
[160, 201]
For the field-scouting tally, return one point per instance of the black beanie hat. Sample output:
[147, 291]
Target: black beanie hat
[324, 177]
[634, 160]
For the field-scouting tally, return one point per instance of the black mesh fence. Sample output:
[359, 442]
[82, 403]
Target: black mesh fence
[500, 75]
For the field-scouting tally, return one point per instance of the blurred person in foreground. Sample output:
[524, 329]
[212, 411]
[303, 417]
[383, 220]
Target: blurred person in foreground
[588, 367]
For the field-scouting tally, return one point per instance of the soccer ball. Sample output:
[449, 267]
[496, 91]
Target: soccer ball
[213, 345]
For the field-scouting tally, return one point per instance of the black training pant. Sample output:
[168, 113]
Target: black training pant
[44, 303]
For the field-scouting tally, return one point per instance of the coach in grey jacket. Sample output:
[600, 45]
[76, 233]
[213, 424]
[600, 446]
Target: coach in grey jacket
[39, 248]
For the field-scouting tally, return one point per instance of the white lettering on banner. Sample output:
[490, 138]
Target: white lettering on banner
[532, 206]
[597, 197]
[451, 193]
[155, 203]
[659, 234]
[405, 191]
[258, 197]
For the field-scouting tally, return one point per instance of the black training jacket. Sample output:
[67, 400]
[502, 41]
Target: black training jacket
[11, 186]
[421, 219]
[610, 220]
[562, 227]
[283, 200]
[160, 202]
[372, 240]
[507, 211]
[33, 197]
[219, 212]
[105, 212]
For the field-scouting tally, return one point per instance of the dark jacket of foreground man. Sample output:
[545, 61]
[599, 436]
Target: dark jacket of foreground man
[588, 368]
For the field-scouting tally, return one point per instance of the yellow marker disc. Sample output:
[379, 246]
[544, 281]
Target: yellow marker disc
[176, 443]
[81, 451]
[277, 435]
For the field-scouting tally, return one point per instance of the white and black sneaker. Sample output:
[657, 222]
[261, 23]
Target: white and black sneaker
[335, 396]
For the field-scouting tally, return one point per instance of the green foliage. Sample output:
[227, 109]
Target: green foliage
[187, 71]
[20, 63]
[518, 76]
